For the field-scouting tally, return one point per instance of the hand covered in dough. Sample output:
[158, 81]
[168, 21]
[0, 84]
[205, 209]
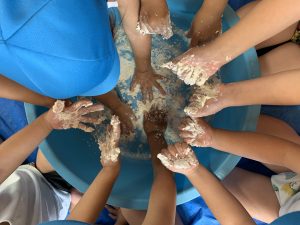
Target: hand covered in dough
[179, 158]
[206, 100]
[196, 132]
[196, 65]
[155, 18]
[109, 144]
[73, 116]
[155, 121]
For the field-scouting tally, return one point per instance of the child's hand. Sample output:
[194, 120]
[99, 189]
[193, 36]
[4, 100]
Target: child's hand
[155, 121]
[196, 132]
[179, 158]
[109, 144]
[205, 27]
[147, 80]
[196, 65]
[155, 18]
[206, 100]
[73, 116]
[126, 116]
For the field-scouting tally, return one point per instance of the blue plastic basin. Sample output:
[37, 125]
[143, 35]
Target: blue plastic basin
[75, 155]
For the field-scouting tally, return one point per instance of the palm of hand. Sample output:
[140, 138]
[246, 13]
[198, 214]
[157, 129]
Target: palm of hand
[147, 80]
[155, 121]
[73, 116]
[196, 132]
[179, 158]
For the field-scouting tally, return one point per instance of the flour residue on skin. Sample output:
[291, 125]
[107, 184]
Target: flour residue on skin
[70, 119]
[210, 90]
[183, 161]
[108, 144]
[136, 145]
[192, 70]
[189, 74]
[193, 127]
[165, 31]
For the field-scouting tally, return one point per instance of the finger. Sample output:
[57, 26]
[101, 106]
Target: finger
[68, 102]
[150, 95]
[159, 88]
[189, 141]
[144, 95]
[184, 148]
[178, 148]
[116, 129]
[167, 154]
[85, 128]
[111, 209]
[112, 216]
[85, 119]
[189, 33]
[124, 129]
[194, 41]
[173, 150]
[80, 104]
[186, 134]
[184, 123]
[133, 84]
[90, 109]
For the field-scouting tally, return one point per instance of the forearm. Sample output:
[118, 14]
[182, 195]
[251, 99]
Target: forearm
[157, 143]
[260, 147]
[225, 207]
[162, 203]
[214, 7]
[16, 149]
[279, 89]
[11, 90]
[95, 198]
[140, 44]
[110, 99]
[258, 25]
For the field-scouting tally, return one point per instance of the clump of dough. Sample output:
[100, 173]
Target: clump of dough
[109, 144]
[184, 161]
[191, 75]
[200, 96]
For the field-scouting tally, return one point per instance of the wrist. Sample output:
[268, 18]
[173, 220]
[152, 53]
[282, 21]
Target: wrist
[112, 171]
[143, 67]
[46, 120]
[195, 172]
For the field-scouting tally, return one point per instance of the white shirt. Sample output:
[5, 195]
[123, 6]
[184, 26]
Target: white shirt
[287, 190]
[27, 198]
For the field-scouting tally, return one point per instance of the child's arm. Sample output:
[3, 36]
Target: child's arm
[154, 17]
[144, 74]
[11, 90]
[225, 207]
[258, 25]
[275, 89]
[93, 201]
[14, 151]
[112, 101]
[261, 147]
[207, 23]
[162, 203]
[95, 198]
[278, 89]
